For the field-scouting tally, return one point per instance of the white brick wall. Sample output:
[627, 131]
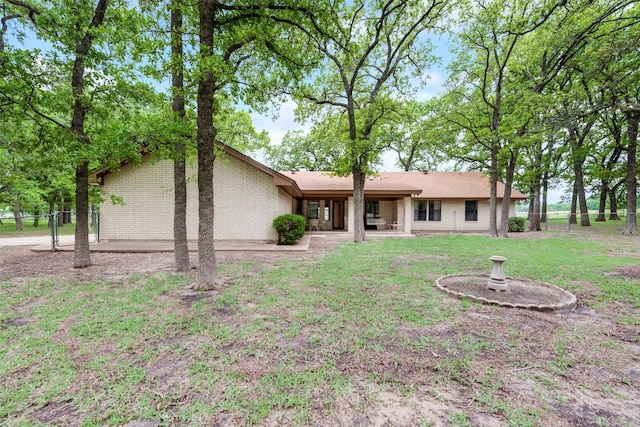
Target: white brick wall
[245, 200]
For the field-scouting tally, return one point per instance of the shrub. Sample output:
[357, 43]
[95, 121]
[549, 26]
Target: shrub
[516, 224]
[290, 228]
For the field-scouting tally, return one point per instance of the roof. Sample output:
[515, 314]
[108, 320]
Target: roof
[423, 185]
[287, 184]
[318, 184]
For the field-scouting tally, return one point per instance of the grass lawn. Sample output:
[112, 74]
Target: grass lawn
[8, 228]
[354, 336]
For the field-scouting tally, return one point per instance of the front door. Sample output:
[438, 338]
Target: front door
[338, 215]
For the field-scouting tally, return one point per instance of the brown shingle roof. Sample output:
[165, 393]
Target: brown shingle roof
[431, 185]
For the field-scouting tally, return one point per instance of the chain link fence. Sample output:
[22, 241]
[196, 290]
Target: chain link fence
[565, 220]
[50, 230]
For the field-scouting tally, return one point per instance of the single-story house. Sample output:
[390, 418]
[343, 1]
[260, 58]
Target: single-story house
[404, 201]
[249, 195]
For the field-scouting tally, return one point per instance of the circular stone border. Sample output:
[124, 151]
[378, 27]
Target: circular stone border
[569, 304]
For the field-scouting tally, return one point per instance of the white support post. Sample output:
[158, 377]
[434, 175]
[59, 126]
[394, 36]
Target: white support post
[351, 225]
[408, 214]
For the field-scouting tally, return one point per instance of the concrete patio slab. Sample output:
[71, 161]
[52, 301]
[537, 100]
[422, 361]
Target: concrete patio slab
[67, 245]
[167, 246]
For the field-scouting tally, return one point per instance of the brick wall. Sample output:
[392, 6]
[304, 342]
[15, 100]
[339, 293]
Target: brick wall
[245, 199]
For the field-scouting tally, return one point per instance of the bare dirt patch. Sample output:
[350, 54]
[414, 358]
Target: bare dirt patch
[21, 262]
[630, 272]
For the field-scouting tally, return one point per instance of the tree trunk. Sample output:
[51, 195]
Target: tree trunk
[576, 140]
[66, 213]
[17, 215]
[493, 193]
[631, 224]
[181, 248]
[82, 254]
[604, 189]
[36, 217]
[545, 190]
[506, 201]
[206, 135]
[534, 218]
[359, 179]
[573, 215]
[613, 204]
[60, 212]
[582, 198]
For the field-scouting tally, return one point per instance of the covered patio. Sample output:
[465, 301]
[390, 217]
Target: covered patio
[328, 203]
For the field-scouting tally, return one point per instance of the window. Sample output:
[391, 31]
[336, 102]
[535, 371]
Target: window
[373, 208]
[420, 210]
[326, 210]
[435, 210]
[471, 210]
[313, 209]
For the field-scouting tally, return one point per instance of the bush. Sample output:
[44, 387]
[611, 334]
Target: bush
[290, 228]
[516, 224]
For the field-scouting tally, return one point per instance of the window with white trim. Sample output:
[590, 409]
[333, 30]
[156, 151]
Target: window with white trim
[435, 210]
[471, 210]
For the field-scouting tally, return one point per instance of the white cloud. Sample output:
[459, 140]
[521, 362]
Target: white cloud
[278, 121]
[435, 82]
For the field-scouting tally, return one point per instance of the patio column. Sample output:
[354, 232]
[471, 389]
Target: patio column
[351, 224]
[399, 219]
[408, 214]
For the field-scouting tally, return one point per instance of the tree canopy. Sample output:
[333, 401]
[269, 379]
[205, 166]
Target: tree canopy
[539, 94]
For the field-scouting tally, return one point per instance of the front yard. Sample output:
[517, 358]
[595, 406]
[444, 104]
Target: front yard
[344, 335]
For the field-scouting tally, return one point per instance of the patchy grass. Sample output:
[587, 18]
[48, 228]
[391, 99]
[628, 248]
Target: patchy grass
[356, 336]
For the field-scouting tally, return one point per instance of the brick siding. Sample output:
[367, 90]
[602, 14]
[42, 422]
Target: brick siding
[245, 200]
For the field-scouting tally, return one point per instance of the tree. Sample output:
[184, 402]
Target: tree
[418, 135]
[369, 51]
[206, 136]
[580, 113]
[233, 41]
[613, 65]
[606, 161]
[66, 85]
[568, 46]
[235, 129]
[314, 150]
[539, 164]
[82, 254]
[632, 112]
[181, 248]
[487, 46]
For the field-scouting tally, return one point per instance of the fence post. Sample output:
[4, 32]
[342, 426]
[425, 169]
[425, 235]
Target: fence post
[54, 224]
[98, 227]
[57, 225]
